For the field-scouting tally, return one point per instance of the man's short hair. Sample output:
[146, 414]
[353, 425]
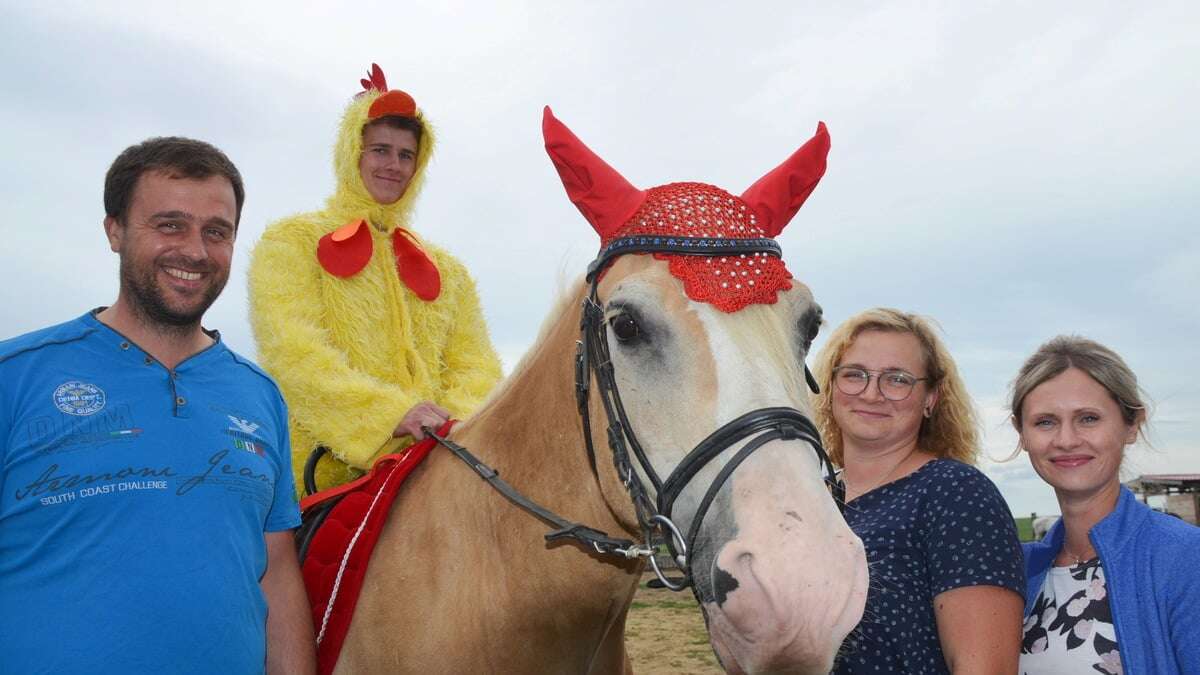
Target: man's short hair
[173, 155]
[398, 122]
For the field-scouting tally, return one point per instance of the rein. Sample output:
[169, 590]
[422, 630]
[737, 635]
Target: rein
[599, 541]
[654, 516]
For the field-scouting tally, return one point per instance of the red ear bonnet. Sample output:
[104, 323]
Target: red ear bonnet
[694, 212]
[777, 196]
[602, 195]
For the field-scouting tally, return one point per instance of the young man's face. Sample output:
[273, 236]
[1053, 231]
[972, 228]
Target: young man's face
[176, 246]
[388, 162]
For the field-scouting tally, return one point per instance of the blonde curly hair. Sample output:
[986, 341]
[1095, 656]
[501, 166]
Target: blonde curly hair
[952, 429]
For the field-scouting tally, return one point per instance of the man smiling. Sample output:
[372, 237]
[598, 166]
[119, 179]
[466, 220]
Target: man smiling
[176, 244]
[147, 503]
[371, 331]
[389, 158]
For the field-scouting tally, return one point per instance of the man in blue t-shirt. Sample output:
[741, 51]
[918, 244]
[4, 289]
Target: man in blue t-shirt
[146, 496]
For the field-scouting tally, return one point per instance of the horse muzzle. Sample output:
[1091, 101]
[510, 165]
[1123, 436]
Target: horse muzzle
[781, 578]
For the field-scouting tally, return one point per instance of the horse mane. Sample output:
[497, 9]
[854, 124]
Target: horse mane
[567, 300]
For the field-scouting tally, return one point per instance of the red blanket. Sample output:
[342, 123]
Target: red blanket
[337, 558]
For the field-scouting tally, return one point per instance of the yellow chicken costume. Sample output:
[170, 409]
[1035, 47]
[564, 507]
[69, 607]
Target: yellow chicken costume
[355, 349]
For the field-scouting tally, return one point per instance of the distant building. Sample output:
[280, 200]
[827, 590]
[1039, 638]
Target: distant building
[1182, 492]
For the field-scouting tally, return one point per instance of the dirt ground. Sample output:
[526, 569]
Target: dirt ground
[665, 634]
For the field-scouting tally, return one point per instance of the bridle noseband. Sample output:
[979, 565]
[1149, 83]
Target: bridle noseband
[757, 427]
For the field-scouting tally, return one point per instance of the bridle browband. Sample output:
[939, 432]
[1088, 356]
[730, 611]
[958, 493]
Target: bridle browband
[700, 246]
[757, 427]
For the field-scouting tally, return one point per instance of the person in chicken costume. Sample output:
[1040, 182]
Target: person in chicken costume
[370, 331]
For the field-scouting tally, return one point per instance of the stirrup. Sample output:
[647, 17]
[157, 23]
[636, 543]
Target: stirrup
[315, 517]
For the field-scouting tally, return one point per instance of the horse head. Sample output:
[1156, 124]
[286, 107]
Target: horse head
[706, 332]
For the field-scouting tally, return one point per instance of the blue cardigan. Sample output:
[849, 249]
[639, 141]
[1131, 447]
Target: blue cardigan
[1152, 569]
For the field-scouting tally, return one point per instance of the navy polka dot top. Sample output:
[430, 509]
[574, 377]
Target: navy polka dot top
[941, 527]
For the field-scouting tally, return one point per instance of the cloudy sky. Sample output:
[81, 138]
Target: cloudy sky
[1015, 172]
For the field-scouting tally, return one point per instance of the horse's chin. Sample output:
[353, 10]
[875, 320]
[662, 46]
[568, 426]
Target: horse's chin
[732, 660]
[763, 626]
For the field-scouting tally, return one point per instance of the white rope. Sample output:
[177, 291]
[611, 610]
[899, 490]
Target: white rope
[337, 582]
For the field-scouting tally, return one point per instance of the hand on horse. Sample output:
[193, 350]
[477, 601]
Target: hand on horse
[423, 414]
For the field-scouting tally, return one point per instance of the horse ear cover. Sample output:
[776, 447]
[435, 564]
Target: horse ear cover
[607, 200]
[777, 196]
[615, 208]
[602, 195]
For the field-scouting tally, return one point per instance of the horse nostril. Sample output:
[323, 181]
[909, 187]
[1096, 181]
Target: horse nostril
[723, 583]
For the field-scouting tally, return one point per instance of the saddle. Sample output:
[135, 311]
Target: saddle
[339, 529]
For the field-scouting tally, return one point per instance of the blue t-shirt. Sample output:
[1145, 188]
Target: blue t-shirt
[944, 526]
[133, 505]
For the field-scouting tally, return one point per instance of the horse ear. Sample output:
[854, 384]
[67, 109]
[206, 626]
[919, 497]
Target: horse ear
[601, 194]
[777, 196]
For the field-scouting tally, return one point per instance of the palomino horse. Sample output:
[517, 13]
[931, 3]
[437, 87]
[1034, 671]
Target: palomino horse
[461, 580]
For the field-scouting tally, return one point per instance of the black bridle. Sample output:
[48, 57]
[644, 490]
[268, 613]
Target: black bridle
[655, 516]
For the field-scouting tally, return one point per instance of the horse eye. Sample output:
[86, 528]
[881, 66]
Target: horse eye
[624, 327]
[812, 332]
[810, 325]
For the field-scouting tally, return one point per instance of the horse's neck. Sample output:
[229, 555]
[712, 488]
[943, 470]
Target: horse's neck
[531, 430]
[474, 570]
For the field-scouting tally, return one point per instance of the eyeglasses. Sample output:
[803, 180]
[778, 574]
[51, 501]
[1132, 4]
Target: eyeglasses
[894, 385]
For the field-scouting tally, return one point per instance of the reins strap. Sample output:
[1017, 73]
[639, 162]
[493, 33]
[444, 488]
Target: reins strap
[593, 538]
[619, 432]
[582, 385]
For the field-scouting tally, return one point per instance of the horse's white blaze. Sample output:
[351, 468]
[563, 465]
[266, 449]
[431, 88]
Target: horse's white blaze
[669, 394]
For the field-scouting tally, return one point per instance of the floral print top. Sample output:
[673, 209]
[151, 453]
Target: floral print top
[1070, 629]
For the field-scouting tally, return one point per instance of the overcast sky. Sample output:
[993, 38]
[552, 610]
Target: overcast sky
[1015, 172]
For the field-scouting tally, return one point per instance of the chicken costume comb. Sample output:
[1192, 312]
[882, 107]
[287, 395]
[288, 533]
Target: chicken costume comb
[719, 245]
[392, 102]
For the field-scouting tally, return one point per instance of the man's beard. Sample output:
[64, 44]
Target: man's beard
[150, 305]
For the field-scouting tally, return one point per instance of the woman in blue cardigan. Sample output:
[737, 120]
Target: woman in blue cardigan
[1114, 587]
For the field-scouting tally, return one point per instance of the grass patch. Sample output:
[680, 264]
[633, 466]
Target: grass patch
[665, 635]
[1024, 528]
[675, 604]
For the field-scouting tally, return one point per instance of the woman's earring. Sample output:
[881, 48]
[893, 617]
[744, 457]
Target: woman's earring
[928, 411]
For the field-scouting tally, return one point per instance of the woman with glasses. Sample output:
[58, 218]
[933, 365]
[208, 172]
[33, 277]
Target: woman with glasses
[946, 580]
[1114, 586]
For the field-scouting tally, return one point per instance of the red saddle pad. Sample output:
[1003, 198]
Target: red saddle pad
[337, 557]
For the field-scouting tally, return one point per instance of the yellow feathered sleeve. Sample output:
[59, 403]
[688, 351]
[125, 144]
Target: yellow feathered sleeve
[331, 402]
[471, 365]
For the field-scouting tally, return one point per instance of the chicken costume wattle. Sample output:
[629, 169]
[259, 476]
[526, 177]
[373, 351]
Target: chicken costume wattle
[358, 318]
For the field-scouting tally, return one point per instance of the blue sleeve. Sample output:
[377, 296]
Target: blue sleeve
[285, 512]
[971, 539]
[1183, 598]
